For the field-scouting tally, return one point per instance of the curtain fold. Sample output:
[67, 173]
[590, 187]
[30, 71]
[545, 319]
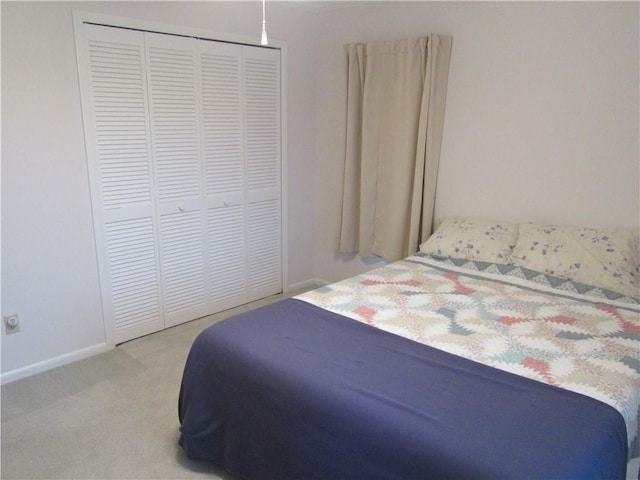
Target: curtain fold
[395, 112]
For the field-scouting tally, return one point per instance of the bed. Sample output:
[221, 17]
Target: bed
[498, 351]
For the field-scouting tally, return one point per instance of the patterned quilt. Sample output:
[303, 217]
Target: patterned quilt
[568, 335]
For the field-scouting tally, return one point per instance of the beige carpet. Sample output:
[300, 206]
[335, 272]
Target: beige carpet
[114, 415]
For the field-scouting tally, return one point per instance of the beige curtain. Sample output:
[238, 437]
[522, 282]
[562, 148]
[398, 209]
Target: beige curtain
[395, 114]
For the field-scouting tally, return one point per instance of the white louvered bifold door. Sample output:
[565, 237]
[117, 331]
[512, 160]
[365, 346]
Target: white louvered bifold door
[263, 164]
[175, 126]
[184, 151]
[120, 168]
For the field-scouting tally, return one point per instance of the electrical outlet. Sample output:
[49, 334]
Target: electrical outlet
[11, 323]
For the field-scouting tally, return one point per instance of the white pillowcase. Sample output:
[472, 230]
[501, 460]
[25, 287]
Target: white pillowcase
[473, 239]
[606, 258]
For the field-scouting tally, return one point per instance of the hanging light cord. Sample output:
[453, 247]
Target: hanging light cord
[263, 40]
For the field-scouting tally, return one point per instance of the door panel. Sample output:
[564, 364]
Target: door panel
[175, 125]
[120, 170]
[264, 207]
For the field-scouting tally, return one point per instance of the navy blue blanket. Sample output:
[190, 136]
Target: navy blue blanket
[291, 391]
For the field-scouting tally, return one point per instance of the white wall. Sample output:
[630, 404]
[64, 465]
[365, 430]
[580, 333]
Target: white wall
[49, 271]
[541, 124]
[541, 120]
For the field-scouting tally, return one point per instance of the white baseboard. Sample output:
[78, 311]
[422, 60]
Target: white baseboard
[306, 285]
[39, 367]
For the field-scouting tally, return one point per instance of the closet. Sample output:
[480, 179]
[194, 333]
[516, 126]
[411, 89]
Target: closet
[183, 141]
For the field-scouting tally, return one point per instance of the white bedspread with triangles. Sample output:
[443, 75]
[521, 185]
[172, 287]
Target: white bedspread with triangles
[572, 336]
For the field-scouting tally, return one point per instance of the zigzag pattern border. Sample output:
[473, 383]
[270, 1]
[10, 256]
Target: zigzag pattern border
[534, 276]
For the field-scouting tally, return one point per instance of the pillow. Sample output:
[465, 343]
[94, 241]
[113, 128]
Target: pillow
[605, 258]
[473, 239]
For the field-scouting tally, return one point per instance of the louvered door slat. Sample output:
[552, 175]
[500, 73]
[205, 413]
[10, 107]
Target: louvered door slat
[182, 264]
[264, 246]
[132, 261]
[118, 99]
[262, 90]
[221, 118]
[227, 256]
[174, 114]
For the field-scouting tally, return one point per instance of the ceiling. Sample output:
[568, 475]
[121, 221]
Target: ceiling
[320, 6]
